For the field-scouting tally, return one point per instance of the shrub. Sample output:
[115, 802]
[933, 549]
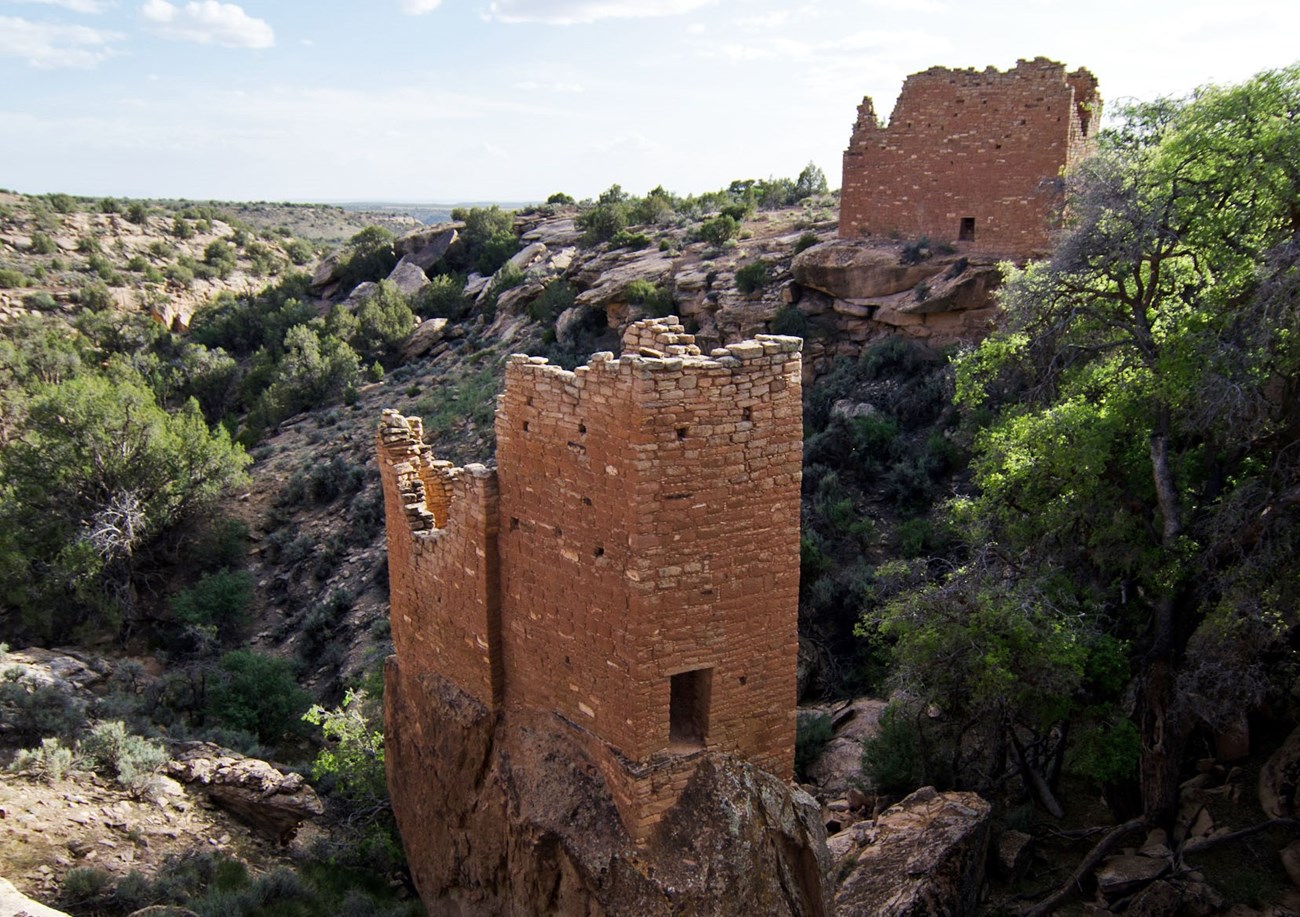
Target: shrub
[367, 256]
[602, 223]
[752, 277]
[218, 601]
[719, 230]
[811, 735]
[41, 302]
[220, 255]
[915, 252]
[257, 694]
[555, 298]
[790, 320]
[560, 198]
[181, 228]
[96, 297]
[42, 244]
[62, 203]
[384, 322]
[49, 762]
[652, 298]
[299, 251]
[132, 759]
[11, 279]
[442, 297]
[891, 759]
[34, 712]
[806, 241]
[137, 213]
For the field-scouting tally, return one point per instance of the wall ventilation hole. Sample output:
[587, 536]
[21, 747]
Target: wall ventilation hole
[582, 428]
[746, 413]
[514, 523]
[599, 552]
[681, 432]
[559, 532]
[529, 402]
[586, 501]
[525, 426]
[744, 679]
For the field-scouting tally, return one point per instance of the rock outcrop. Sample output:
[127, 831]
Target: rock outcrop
[14, 903]
[269, 801]
[923, 856]
[505, 813]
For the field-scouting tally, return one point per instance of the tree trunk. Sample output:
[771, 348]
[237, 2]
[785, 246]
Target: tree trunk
[1162, 741]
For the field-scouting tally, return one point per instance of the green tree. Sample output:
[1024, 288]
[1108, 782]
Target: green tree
[384, 322]
[1146, 402]
[99, 474]
[256, 693]
[812, 180]
[367, 256]
[315, 369]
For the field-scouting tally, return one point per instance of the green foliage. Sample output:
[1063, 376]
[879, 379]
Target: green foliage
[892, 759]
[790, 320]
[805, 242]
[719, 229]
[811, 735]
[753, 277]
[489, 237]
[443, 297]
[131, 759]
[1108, 752]
[299, 251]
[653, 299]
[256, 693]
[42, 244]
[316, 369]
[181, 228]
[62, 203]
[384, 322]
[137, 212]
[555, 298]
[221, 256]
[354, 759]
[561, 199]
[100, 472]
[367, 256]
[602, 222]
[812, 180]
[218, 601]
[11, 279]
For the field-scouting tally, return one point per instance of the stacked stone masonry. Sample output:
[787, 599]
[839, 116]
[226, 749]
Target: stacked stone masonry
[970, 158]
[632, 564]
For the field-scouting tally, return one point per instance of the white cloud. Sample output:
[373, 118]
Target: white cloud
[77, 6]
[572, 12]
[420, 7]
[208, 22]
[48, 45]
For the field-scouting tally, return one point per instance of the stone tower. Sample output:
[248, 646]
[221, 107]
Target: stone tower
[632, 564]
[974, 158]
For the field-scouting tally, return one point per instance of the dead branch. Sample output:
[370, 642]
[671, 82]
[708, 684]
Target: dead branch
[1104, 846]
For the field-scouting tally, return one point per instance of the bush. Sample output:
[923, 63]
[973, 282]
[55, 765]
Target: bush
[257, 694]
[62, 203]
[806, 241]
[299, 251]
[602, 223]
[49, 762]
[36, 712]
[11, 279]
[137, 213]
[367, 256]
[811, 735]
[560, 198]
[218, 601]
[220, 255]
[719, 230]
[181, 228]
[384, 322]
[790, 320]
[652, 298]
[41, 302]
[555, 298]
[752, 277]
[111, 750]
[443, 297]
[42, 244]
[891, 759]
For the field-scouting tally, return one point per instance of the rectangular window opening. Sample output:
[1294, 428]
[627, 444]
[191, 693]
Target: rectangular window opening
[688, 709]
[967, 231]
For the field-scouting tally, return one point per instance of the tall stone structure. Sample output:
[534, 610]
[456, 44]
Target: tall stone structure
[969, 157]
[631, 566]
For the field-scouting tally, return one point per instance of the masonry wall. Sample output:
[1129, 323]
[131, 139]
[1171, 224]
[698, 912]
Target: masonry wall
[442, 561]
[982, 146]
[650, 524]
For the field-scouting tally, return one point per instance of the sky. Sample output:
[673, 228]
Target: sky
[511, 100]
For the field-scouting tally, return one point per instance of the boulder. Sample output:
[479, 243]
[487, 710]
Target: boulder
[1015, 849]
[426, 334]
[1279, 780]
[425, 247]
[846, 269]
[923, 856]
[607, 276]
[506, 812]
[522, 259]
[408, 277]
[269, 801]
[1126, 873]
[14, 903]
[329, 271]
[839, 767]
[554, 233]
[360, 293]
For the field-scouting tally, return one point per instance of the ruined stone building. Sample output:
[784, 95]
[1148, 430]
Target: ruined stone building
[630, 566]
[970, 157]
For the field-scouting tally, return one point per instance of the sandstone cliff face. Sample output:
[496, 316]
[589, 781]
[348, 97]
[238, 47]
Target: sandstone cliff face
[506, 814]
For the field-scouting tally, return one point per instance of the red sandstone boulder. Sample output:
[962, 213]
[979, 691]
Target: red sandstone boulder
[506, 814]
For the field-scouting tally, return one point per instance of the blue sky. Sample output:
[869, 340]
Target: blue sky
[458, 100]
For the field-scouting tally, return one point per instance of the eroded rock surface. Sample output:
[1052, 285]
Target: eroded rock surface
[504, 814]
[923, 856]
[256, 793]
